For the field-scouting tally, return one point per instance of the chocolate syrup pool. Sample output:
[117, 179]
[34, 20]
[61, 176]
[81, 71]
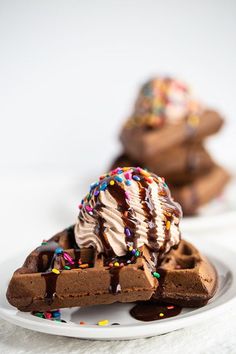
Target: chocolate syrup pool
[151, 311]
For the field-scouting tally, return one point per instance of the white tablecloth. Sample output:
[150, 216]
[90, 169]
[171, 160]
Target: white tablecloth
[31, 209]
[213, 336]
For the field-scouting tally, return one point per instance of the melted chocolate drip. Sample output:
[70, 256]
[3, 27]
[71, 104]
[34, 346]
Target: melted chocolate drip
[166, 240]
[47, 251]
[115, 271]
[51, 284]
[128, 214]
[150, 213]
[51, 280]
[151, 311]
[130, 222]
[171, 206]
[76, 258]
[71, 234]
[43, 264]
[54, 260]
[45, 256]
[49, 246]
[115, 280]
[161, 280]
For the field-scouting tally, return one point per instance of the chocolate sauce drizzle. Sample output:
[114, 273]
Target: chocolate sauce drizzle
[130, 222]
[149, 212]
[45, 252]
[50, 277]
[48, 250]
[76, 257]
[115, 280]
[127, 213]
[151, 311]
[50, 281]
[171, 206]
[51, 284]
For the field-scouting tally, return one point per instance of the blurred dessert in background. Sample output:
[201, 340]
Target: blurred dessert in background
[166, 133]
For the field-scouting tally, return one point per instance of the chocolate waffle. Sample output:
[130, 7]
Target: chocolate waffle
[201, 190]
[178, 165]
[49, 279]
[186, 277]
[141, 143]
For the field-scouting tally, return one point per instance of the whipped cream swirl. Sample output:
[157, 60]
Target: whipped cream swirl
[129, 207]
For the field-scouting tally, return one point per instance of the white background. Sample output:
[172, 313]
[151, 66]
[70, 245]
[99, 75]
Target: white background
[70, 70]
[69, 73]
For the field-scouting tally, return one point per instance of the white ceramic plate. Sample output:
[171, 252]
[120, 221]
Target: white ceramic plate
[223, 259]
[218, 213]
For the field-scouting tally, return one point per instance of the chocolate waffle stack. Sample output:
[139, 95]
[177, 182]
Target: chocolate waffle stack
[166, 135]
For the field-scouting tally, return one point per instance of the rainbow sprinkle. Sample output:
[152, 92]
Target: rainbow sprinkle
[156, 275]
[103, 323]
[54, 315]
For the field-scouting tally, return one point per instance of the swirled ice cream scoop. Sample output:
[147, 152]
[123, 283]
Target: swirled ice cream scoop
[126, 209]
[163, 99]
